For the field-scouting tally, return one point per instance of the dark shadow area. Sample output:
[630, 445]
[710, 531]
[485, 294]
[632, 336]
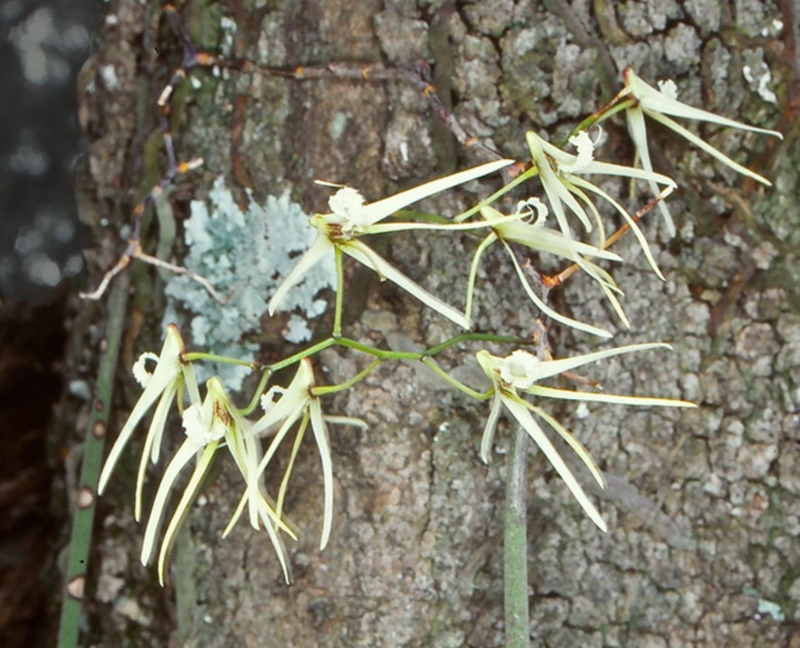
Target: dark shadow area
[43, 45]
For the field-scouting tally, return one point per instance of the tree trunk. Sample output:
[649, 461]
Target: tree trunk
[702, 506]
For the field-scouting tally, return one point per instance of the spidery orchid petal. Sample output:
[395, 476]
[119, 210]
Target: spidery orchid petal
[661, 105]
[170, 377]
[517, 374]
[351, 218]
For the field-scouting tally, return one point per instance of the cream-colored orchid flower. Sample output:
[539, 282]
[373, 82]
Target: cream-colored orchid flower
[170, 377]
[207, 426]
[560, 173]
[659, 105]
[351, 218]
[537, 237]
[296, 404]
[519, 373]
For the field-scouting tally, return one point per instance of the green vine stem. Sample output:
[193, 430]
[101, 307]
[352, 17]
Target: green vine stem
[333, 389]
[380, 355]
[86, 494]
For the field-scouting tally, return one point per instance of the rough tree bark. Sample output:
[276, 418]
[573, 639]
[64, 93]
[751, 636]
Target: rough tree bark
[702, 506]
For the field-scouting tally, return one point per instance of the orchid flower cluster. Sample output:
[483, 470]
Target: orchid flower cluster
[213, 424]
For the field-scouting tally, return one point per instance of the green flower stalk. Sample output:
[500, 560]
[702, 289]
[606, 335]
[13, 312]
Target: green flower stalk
[351, 218]
[662, 104]
[519, 373]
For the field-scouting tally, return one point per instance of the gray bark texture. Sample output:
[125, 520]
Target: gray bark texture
[702, 506]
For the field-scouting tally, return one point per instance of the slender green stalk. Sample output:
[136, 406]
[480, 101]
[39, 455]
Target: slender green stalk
[522, 177]
[474, 337]
[86, 495]
[337, 314]
[305, 353]
[332, 389]
[382, 354]
[515, 545]
[455, 383]
[419, 217]
[387, 354]
[262, 385]
[375, 352]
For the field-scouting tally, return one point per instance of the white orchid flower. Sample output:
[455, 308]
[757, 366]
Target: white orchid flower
[296, 404]
[207, 426]
[520, 372]
[662, 104]
[537, 237]
[170, 377]
[351, 218]
[560, 173]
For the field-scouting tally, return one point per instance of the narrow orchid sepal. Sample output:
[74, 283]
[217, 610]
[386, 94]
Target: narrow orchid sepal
[705, 146]
[549, 368]
[321, 246]
[151, 446]
[518, 374]
[321, 436]
[363, 254]
[181, 510]
[351, 217]
[380, 209]
[612, 399]
[183, 456]
[577, 447]
[520, 412]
